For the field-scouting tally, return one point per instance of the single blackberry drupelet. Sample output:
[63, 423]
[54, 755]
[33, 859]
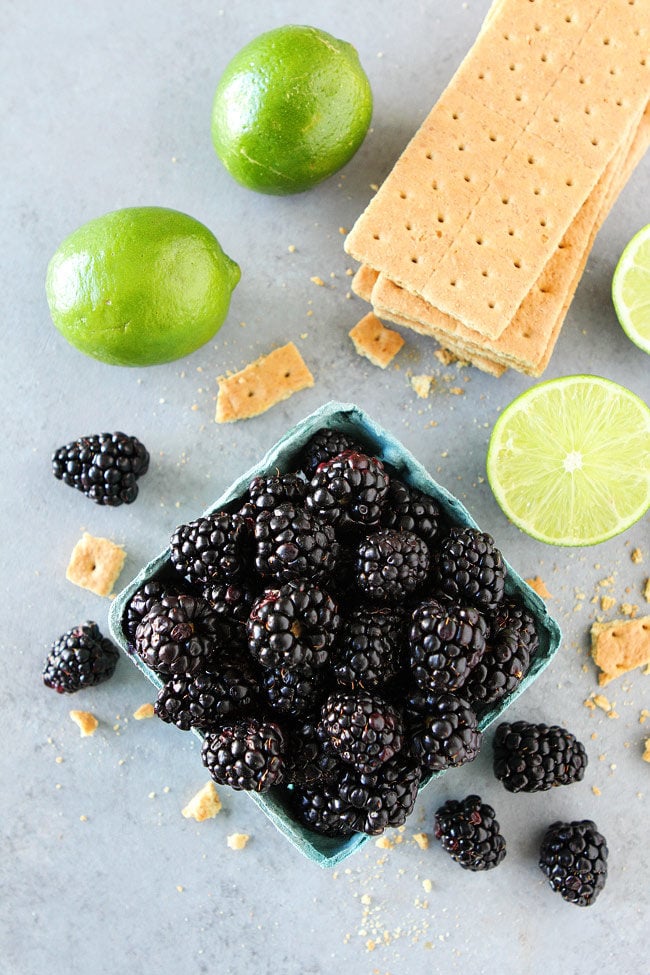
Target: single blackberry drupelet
[408, 510]
[246, 754]
[211, 550]
[292, 692]
[204, 700]
[470, 834]
[266, 492]
[446, 642]
[391, 565]
[179, 635]
[291, 543]
[467, 567]
[368, 648]
[385, 797]
[323, 446]
[293, 626]
[105, 467]
[574, 858]
[363, 729]
[80, 658]
[348, 491]
[442, 731]
[536, 757]
[511, 643]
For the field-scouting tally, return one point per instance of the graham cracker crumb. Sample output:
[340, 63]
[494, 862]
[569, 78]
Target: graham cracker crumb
[422, 840]
[596, 791]
[457, 391]
[237, 841]
[539, 586]
[204, 805]
[643, 717]
[318, 281]
[601, 702]
[384, 843]
[144, 711]
[445, 356]
[428, 886]
[646, 753]
[607, 603]
[636, 555]
[86, 722]
[629, 609]
[422, 385]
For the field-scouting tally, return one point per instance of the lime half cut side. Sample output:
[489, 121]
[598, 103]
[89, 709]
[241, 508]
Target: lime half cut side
[631, 289]
[569, 460]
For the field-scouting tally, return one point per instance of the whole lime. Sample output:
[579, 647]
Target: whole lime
[140, 286]
[291, 108]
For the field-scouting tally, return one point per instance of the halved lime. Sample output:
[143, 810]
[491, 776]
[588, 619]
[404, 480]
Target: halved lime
[569, 460]
[631, 289]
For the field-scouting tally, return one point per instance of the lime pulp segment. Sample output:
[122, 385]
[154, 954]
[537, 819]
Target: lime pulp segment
[569, 460]
[631, 289]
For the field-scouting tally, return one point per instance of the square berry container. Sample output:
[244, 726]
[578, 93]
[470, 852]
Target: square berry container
[350, 419]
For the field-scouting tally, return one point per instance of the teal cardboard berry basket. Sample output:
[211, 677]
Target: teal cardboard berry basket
[324, 850]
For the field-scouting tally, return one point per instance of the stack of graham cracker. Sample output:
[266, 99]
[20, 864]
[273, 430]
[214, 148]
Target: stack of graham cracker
[479, 235]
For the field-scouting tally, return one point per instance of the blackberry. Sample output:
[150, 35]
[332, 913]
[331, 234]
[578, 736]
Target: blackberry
[291, 692]
[321, 807]
[294, 626]
[409, 510]
[231, 600]
[323, 446]
[446, 642]
[203, 700]
[364, 730]
[211, 550]
[445, 734]
[105, 467]
[246, 754]
[534, 757]
[348, 491]
[384, 798]
[468, 568]
[368, 648]
[310, 757]
[469, 832]
[291, 543]
[574, 858]
[511, 643]
[140, 604]
[179, 635]
[80, 658]
[267, 492]
[391, 565]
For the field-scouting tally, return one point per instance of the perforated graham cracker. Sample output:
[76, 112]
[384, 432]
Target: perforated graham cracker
[95, 564]
[374, 341]
[620, 646]
[262, 384]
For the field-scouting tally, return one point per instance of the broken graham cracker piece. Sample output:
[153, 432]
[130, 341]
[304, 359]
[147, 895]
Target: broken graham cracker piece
[204, 805]
[237, 841]
[86, 722]
[144, 711]
[260, 385]
[376, 342]
[620, 646]
[95, 564]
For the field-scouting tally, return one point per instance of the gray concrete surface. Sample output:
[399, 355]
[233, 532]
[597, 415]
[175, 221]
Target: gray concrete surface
[107, 105]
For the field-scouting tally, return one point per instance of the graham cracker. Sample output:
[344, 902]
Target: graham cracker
[95, 564]
[376, 342]
[620, 646]
[262, 384]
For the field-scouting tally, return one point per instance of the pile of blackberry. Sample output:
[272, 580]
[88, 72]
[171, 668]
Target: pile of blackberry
[333, 636]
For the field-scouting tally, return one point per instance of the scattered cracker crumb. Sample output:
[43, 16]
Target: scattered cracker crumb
[144, 711]
[643, 717]
[428, 886]
[596, 791]
[204, 805]
[370, 944]
[607, 602]
[374, 341]
[237, 841]
[152, 795]
[422, 840]
[291, 248]
[343, 230]
[86, 722]
[366, 899]
[538, 584]
[629, 609]
[445, 356]
[422, 385]
[613, 714]
[180, 888]
[83, 819]
[318, 281]
[384, 843]
[374, 186]
[646, 752]
[601, 702]
[636, 555]
[95, 564]
[457, 391]
[59, 759]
